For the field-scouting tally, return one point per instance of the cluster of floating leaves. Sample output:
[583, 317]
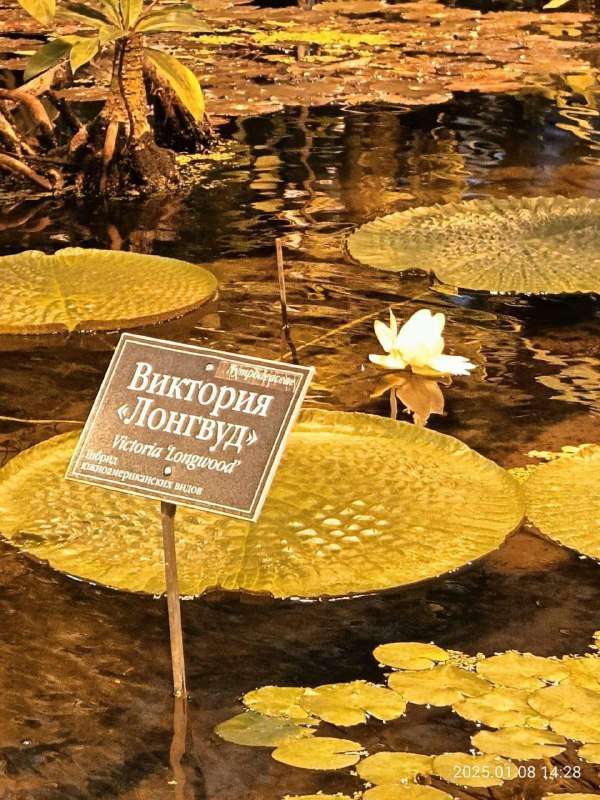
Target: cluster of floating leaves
[531, 707]
[365, 51]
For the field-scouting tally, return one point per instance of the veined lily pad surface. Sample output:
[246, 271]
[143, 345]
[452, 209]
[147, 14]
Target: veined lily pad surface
[563, 499]
[85, 289]
[359, 504]
[530, 245]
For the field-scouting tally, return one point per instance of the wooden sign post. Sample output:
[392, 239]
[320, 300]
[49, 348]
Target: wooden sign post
[188, 426]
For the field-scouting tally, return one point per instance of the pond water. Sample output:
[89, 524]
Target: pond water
[85, 671]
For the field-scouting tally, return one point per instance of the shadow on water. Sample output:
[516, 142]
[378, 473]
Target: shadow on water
[84, 672]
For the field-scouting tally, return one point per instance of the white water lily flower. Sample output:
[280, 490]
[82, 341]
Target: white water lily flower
[419, 345]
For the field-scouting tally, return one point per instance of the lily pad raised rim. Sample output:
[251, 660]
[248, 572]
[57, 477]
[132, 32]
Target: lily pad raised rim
[90, 326]
[309, 421]
[449, 289]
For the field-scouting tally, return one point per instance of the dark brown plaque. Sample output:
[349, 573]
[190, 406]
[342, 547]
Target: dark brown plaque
[190, 425]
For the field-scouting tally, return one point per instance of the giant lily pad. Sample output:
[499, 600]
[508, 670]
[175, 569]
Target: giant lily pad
[529, 245]
[563, 500]
[81, 289]
[359, 504]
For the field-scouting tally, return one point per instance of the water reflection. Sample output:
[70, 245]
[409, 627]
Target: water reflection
[420, 396]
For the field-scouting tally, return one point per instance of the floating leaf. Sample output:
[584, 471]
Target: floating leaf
[317, 797]
[349, 703]
[359, 504]
[574, 726]
[324, 37]
[391, 791]
[590, 753]
[584, 671]
[410, 655]
[563, 500]
[554, 701]
[473, 770]
[539, 245]
[319, 753]
[520, 744]
[573, 711]
[278, 701]
[394, 768]
[501, 708]
[256, 730]
[441, 686]
[522, 670]
[80, 289]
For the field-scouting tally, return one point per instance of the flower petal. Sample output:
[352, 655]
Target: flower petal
[392, 361]
[451, 365]
[385, 336]
[419, 339]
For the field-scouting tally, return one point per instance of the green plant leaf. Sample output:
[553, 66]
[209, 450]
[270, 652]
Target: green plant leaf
[111, 9]
[181, 79]
[179, 20]
[131, 10]
[41, 10]
[85, 13]
[83, 51]
[46, 57]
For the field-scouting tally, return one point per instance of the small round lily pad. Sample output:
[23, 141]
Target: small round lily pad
[350, 703]
[79, 289]
[256, 730]
[464, 769]
[443, 685]
[414, 791]
[410, 655]
[521, 744]
[278, 701]
[319, 752]
[394, 768]
[522, 670]
[501, 707]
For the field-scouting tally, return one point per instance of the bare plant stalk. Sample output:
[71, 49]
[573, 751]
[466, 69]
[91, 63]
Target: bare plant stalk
[285, 323]
[282, 292]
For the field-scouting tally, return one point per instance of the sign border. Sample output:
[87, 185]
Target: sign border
[250, 514]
